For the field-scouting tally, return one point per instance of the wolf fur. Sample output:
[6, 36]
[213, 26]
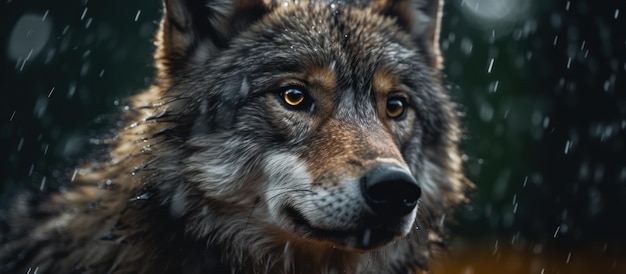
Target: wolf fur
[213, 173]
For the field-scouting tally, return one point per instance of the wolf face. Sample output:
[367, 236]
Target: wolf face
[281, 136]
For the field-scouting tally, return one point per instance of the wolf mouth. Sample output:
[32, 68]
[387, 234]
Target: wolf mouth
[364, 239]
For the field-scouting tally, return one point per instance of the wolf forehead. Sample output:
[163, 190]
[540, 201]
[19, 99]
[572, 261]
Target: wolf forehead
[346, 36]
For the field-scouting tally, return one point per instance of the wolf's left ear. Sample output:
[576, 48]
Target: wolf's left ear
[190, 26]
[420, 18]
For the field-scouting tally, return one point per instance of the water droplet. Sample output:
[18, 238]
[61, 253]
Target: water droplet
[569, 62]
[144, 196]
[556, 40]
[494, 86]
[43, 183]
[88, 23]
[137, 15]
[82, 16]
[74, 175]
[568, 145]
[28, 37]
[557, 231]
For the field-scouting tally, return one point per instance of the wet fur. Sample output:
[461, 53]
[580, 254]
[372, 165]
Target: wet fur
[206, 155]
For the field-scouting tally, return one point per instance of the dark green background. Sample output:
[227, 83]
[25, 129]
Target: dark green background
[546, 149]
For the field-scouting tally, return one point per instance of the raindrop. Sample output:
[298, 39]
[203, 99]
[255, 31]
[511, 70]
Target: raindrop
[490, 65]
[74, 175]
[144, 196]
[40, 106]
[20, 144]
[137, 15]
[494, 86]
[569, 256]
[466, 46]
[495, 248]
[71, 90]
[12, 116]
[546, 122]
[616, 14]
[568, 145]
[622, 175]
[26, 59]
[43, 183]
[486, 112]
[28, 37]
[556, 40]
[567, 5]
[582, 45]
[178, 202]
[51, 91]
[88, 23]
[82, 16]
[84, 69]
[442, 220]
[569, 62]
[557, 231]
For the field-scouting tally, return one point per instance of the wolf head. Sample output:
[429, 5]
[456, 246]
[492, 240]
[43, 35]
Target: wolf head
[317, 124]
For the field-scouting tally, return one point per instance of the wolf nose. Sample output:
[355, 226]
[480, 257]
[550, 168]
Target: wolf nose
[390, 191]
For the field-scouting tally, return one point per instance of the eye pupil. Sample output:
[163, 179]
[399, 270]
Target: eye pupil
[395, 108]
[293, 97]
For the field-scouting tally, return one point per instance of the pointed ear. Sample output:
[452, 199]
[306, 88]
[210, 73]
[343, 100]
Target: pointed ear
[420, 18]
[189, 26]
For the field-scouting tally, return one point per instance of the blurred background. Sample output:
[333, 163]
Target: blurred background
[541, 85]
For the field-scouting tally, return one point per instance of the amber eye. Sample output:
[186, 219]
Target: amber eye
[296, 98]
[396, 107]
[292, 97]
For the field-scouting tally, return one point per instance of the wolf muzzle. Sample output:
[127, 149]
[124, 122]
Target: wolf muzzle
[390, 191]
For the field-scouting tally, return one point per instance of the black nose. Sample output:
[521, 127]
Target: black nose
[390, 191]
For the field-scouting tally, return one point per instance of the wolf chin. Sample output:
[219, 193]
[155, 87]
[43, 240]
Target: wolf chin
[296, 136]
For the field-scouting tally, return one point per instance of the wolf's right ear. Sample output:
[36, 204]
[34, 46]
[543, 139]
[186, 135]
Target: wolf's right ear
[208, 25]
[420, 18]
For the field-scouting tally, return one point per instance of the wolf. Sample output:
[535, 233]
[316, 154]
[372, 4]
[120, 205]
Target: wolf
[280, 136]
